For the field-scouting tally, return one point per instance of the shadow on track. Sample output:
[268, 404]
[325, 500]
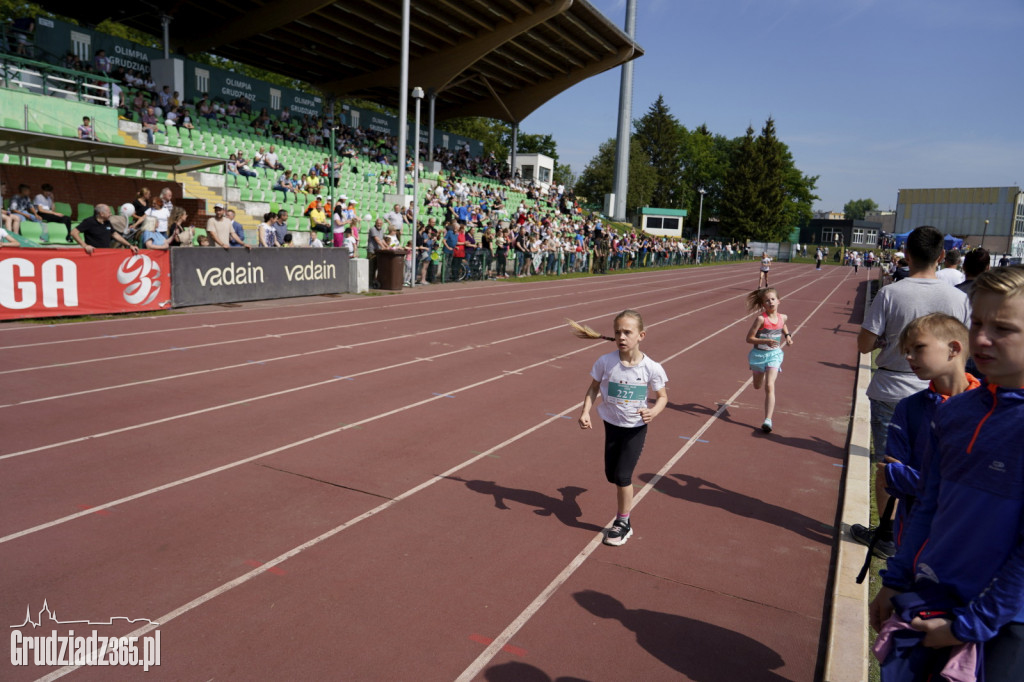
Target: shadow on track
[700, 651]
[567, 509]
[700, 491]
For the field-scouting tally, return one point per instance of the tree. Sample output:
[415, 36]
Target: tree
[705, 158]
[771, 162]
[535, 144]
[598, 177]
[856, 209]
[564, 175]
[740, 194]
[660, 137]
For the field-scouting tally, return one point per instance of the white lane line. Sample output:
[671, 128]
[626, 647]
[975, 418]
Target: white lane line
[250, 363]
[246, 577]
[121, 335]
[122, 356]
[524, 617]
[288, 446]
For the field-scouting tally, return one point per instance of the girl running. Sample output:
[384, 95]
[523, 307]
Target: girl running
[766, 333]
[766, 265]
[623, 378]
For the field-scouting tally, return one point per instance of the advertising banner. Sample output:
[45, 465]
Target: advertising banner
[213, 275]
[56, 282]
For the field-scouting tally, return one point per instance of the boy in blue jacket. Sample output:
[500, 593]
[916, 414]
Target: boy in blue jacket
[936, 349]
[965, 534]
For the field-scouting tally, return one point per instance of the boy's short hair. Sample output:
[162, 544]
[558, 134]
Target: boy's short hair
[976, 262]
[944, 327]
[1007, 281]
[924, 246]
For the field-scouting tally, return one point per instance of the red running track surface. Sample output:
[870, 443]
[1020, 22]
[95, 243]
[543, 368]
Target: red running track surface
[395, 487]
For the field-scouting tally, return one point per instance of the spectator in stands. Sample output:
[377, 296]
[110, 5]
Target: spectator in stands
[242, 167]
[98, 233]
[163, 99]
[86, 131]
[100, 63]
[396, 217]
[150, 124]
[238, 229]
[205, 109]
[154, 240]
[220, 229]
[11, 220]
[179, 234]
[318, 216]
[281, 228]
[284, 185]
[267, 232]
[45, 209]
[22, 206]
[160, 213]
[259, 160]
[140, 203]
[272, 161]
[285, 115]
[167, 196]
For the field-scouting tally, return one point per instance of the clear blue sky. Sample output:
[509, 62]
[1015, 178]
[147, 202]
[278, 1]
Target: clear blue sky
[872, 95]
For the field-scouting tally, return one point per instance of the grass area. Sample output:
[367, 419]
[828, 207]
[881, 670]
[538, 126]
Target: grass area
[577, 275]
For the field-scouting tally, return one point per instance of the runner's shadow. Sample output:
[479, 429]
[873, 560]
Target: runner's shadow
[567, 509]
[818, 445]
[700, 651]
[700, 491]
[697, 408]
[837, 365]
[514, 671]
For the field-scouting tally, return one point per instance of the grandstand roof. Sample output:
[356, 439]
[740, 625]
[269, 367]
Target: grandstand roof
[497, 58]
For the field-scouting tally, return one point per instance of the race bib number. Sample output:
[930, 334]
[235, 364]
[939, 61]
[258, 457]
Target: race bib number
[627, 393]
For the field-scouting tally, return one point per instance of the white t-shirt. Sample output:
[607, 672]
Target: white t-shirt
[951, 275]
[162, 215]
[350, 245]
[624, 389]
[44, 202]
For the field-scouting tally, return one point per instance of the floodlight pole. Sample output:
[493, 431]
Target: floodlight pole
[417, 94]
[700, 215]
[621, 184]
[403, 99]
[984, 231]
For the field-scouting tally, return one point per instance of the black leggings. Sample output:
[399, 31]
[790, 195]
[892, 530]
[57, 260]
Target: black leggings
[622, 448]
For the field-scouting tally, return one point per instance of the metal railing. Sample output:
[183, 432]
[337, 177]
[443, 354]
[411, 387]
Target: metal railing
[47, 79]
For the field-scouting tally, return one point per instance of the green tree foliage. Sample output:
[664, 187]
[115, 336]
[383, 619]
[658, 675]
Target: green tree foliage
[740, 196]
[765, 195]
[491, 132]
[856, 209]
[536, 144]
[564, 175]
[705, 164]
[598, 178]
[660, 136]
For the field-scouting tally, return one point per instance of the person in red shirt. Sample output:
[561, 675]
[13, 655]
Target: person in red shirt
[459, 252]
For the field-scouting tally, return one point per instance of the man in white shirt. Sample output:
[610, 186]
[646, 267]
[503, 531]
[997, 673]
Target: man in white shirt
[949, 272]
[44, 204]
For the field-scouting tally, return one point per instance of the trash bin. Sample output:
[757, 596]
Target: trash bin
[391, 268]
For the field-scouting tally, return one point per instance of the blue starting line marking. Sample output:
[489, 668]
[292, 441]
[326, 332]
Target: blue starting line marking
[338, 376]
[255, 362]
[841, 466]
[560, 416]
[699, 440]
[444, 395]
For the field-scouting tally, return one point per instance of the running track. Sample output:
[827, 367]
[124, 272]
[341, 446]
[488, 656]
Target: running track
[395, 487]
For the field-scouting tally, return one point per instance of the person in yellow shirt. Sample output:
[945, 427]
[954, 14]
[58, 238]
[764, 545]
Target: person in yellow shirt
[318, 216]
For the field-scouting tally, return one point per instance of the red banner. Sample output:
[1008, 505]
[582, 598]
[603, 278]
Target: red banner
[66, 281]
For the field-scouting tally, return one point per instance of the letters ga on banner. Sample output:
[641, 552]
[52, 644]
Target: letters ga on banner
[52, 282]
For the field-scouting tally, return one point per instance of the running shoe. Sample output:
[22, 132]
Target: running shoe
[767, 426]
[618, 533]
[884, 549]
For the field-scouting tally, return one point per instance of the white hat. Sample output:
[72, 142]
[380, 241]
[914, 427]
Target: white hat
[127, 209]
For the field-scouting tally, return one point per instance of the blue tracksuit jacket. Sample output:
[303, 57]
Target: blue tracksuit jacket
[966, 530]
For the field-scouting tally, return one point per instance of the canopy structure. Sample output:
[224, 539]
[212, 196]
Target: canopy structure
[73, 150]
[496, 58]
[950, 242]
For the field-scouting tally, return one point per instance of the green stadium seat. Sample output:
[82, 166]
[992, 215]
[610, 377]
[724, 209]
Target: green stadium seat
[85, 211]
